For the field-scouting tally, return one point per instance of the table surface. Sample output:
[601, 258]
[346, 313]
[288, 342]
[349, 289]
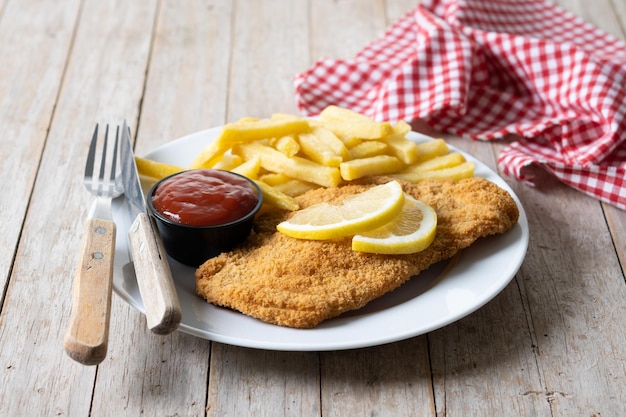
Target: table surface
[552, 343]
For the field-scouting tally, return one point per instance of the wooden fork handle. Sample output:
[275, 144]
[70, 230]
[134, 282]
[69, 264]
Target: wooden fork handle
[87, 334]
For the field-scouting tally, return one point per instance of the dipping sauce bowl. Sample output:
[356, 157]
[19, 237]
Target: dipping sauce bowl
[204, 212]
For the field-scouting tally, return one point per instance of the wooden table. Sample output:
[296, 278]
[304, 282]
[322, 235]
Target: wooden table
[553, 343]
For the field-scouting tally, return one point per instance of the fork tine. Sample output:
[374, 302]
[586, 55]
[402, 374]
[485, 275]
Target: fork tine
[103, 162]
[91, 156]
[102, 172]
[114, 162]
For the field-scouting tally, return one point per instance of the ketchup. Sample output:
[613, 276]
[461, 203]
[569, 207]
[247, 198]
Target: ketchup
[205, 197]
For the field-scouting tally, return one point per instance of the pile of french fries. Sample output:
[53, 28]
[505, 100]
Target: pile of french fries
[288, 155]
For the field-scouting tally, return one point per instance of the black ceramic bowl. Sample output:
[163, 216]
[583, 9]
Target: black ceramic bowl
[192, 245]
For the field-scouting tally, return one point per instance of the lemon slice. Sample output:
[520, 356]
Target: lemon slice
[411, 232]
[356, 214]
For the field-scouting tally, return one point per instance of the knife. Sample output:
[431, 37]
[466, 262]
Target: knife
[154, 277]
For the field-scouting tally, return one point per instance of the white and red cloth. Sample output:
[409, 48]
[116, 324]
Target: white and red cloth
[484, 69]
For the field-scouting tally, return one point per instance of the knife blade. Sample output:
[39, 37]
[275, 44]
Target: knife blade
[154, 277]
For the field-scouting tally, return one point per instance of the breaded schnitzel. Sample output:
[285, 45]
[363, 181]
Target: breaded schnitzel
[300, 283]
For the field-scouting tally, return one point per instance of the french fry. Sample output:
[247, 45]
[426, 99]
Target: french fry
[317, 150]
[285, 116]
[375, 165]
[332, 141]
[368, 148]
[349, 125]
[210, 155]
[402, 148]
[439, 162]
[399, 146]
[464, 170]
[276, 198]
[431, 149]
[296, 167]
[348, 141]
[249, 169]
[290, 186]
[247, 119]
[155, 170]
[228, 162]
[287, 144]
[241, 132]
[275, 179]
[262, 129]
[295, 188]
[401, 128]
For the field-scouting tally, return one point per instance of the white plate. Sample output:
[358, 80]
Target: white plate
[441, 295]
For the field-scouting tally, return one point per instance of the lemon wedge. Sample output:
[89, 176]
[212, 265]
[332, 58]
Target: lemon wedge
[411, 232]
[356, 214]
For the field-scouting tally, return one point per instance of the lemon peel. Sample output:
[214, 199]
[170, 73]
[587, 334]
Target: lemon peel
[356, 214]
[412, 231]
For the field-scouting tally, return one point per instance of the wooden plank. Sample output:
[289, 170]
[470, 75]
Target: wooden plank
[30, 79]
[394, 10]
[103, 82]
[388, 380]
[150, 374]
[269, 47]
[619, 9]
[485, 363]
[575, 299]
[249, 382]
[616, 220]
[601, 14]
[186, 88]
[185, 92]
[340, 29]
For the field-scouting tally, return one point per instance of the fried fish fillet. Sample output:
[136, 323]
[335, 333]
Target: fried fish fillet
[300, 283]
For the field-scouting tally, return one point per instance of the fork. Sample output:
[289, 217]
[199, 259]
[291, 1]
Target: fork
[86, 338]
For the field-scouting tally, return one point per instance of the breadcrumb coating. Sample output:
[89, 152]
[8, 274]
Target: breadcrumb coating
[300, 283]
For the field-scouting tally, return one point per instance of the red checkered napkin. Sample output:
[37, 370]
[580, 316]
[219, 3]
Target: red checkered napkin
[483, 69]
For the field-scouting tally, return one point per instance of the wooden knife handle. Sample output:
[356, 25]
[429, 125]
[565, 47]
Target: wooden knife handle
[87, 335]
[154, 277]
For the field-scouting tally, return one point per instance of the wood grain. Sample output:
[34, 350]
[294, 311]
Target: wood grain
[550, 344]
[260, 73]
[95, 87]
[392, 379]
[30, 78]
[262, 383]
[87, 335]
[154, 276]
[187, 82]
